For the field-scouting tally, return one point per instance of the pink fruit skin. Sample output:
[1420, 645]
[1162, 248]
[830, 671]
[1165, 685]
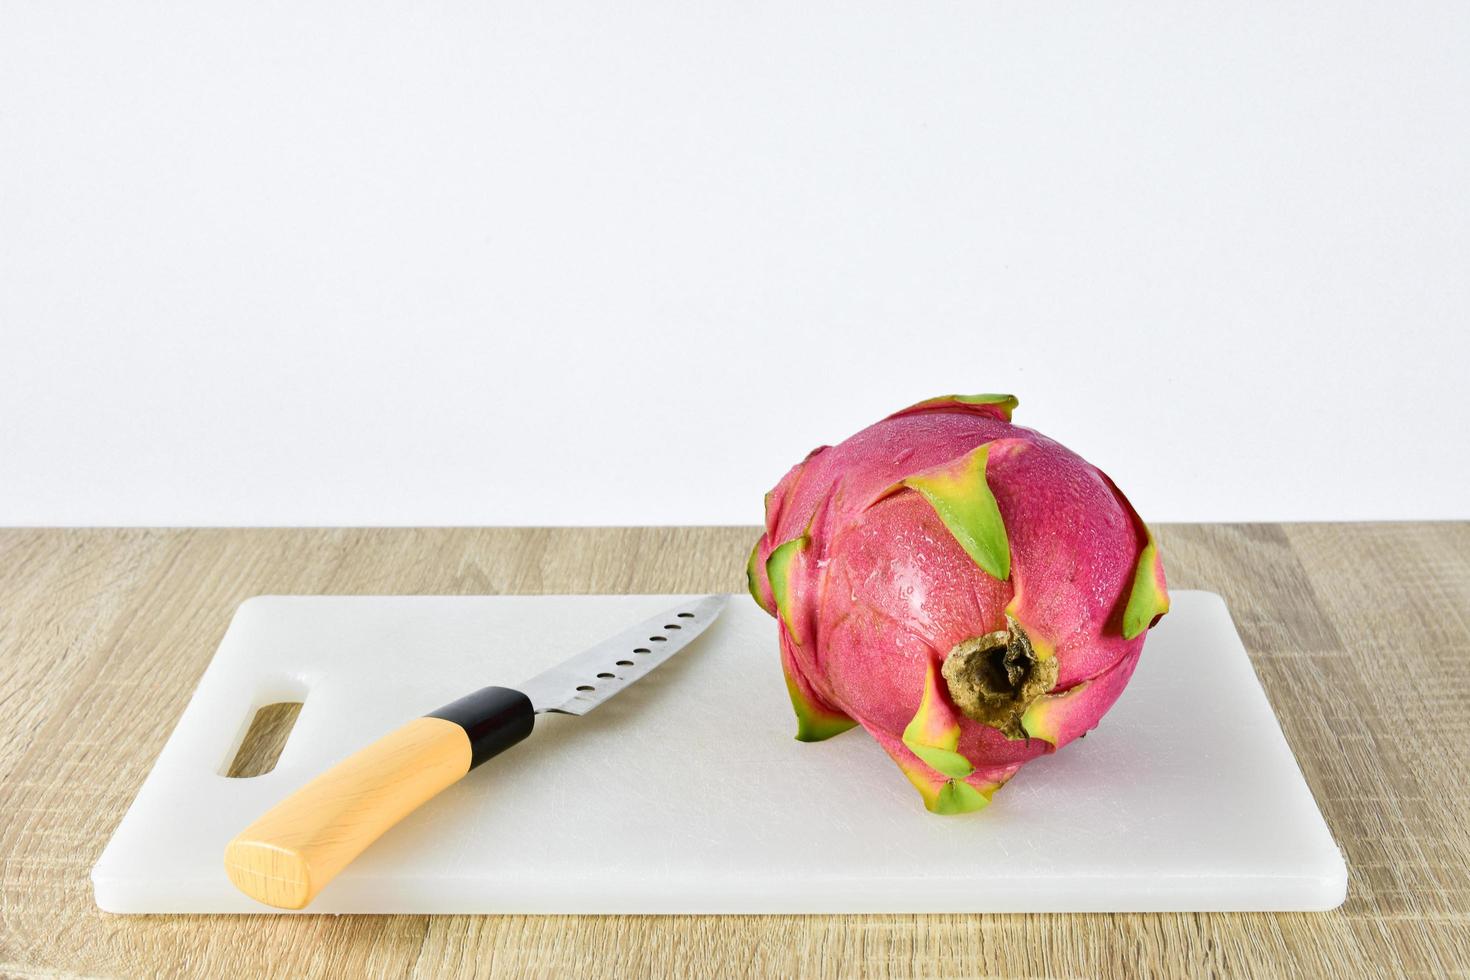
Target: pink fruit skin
[883, 589]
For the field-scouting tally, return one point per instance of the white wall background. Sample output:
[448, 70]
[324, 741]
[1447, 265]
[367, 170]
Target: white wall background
[557, 262]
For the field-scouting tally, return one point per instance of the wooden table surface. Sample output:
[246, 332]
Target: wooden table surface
[1360, 634]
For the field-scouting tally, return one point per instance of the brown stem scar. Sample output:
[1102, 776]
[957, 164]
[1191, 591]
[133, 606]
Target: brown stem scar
[994, 678]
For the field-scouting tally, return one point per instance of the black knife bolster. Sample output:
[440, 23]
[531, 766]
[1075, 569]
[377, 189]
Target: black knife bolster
[494, 718]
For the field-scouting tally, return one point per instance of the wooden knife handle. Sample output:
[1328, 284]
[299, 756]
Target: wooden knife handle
[288, 855]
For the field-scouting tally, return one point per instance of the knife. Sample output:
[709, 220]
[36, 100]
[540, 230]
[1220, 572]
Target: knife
[287, 856]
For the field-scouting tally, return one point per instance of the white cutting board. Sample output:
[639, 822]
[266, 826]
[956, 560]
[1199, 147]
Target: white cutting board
[687, 793]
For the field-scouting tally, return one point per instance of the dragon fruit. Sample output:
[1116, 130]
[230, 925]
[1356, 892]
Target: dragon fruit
[971, 592]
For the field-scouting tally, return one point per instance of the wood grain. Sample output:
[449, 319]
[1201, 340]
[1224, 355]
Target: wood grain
[264, 740]
[1360, 633]
[298, 846]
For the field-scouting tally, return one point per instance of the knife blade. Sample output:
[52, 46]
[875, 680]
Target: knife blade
[292, 851]
[577, 685]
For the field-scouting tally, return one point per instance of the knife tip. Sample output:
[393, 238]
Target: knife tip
[715, 602]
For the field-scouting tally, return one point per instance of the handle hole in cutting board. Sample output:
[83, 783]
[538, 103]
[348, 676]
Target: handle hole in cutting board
[264, 740]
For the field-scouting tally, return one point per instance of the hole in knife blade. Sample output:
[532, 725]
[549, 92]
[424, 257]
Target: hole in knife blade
[625, 663]
[658, 639]
[686, 615]
[642, 650]
[672, 626]
[607, 676]
[585, 687]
